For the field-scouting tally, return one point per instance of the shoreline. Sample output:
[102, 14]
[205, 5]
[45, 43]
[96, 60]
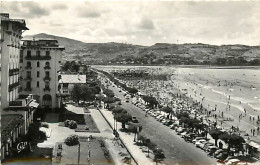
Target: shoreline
[185, 66]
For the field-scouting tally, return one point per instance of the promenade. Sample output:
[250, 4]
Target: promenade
[127, 139]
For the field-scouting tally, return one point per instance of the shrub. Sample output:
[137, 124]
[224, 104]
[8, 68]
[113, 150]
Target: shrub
[73, 124]
[41, 135]
[72, 140]
[66, 123]
[44, 124]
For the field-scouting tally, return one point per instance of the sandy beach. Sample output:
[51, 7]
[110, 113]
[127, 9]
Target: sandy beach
[229, 93]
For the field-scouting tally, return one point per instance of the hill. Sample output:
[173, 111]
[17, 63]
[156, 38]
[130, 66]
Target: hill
[163, 52]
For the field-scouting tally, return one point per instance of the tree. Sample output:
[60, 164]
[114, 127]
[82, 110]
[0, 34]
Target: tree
[118, 109]
[215, 134]
[76, 92]
[87, 93]
[66, 66]
[167, 110]
[183, 114]
[233, 140]
[123, 118]
[135, 128]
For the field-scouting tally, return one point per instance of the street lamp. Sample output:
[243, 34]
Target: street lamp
[79, 153]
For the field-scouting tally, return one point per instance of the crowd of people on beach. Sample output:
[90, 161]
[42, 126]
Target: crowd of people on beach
[165, 93]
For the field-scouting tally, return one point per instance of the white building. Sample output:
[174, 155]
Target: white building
[11, 34]
[67, 83]
[40, 66]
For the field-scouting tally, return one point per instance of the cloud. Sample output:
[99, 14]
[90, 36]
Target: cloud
[146, 24]
[89, 14]
[135, 22]
[60, 6]
[34, 10]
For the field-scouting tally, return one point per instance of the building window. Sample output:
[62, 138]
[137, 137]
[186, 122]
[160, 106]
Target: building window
[47, 84]
[28, 84]
[38, 83]
[28, 64]
[29, 53]
[47, 64]
[47, 53]
[38, 74]
[28, 42]
[47, 74]
[21, 56]
[38, 53]
[38, 64]
[29, 74]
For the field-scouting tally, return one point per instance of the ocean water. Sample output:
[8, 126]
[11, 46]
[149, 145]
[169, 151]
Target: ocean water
[241, 85]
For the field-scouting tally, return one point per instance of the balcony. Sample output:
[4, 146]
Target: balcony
[13, 71]
[28, 89]
[28, 67]
[46, 89]
[46, 78]
[16, 103]
[37, 57]
[12, 86]
[28, 78]
[47, 67]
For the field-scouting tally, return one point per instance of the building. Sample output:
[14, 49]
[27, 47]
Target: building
[16, 110]
[67, 83]
[11, 127]
[40, 63]
[11, 34]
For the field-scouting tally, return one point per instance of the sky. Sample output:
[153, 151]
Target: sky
[142, 22]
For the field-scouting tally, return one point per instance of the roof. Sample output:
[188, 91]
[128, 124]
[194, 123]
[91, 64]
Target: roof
[5, 18]
[73, 79]
[254, 144]
[40, 39]
[9, 123]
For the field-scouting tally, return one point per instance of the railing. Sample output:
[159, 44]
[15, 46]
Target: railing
[15, 103]
[47, 89]
[12, 86]
[37, 57]
[46, 78]
[47, 67]
[13, 71]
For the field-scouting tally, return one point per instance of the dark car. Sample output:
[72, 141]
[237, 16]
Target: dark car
[134, 120]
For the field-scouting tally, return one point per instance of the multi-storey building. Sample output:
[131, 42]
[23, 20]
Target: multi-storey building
[40, 63]
[11, 34]
[16, 110]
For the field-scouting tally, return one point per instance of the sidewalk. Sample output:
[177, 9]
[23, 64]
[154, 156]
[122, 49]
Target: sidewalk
[127, 139]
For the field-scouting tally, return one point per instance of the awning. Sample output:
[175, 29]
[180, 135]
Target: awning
[253, 144]
[33, 104]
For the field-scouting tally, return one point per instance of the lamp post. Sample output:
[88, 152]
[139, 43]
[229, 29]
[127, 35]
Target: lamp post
[79, 153]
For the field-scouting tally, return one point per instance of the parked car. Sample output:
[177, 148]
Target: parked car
[200, 142]
[183, 134]
[196, 139]
[207, 145]
[211, 150]
[134, 120]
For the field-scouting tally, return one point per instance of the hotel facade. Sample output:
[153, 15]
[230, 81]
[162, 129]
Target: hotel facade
[40, 64]
[16, 110]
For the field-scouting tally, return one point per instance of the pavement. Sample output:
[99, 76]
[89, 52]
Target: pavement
[127, 139]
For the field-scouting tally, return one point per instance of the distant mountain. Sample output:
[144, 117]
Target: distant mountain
[78, 50]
